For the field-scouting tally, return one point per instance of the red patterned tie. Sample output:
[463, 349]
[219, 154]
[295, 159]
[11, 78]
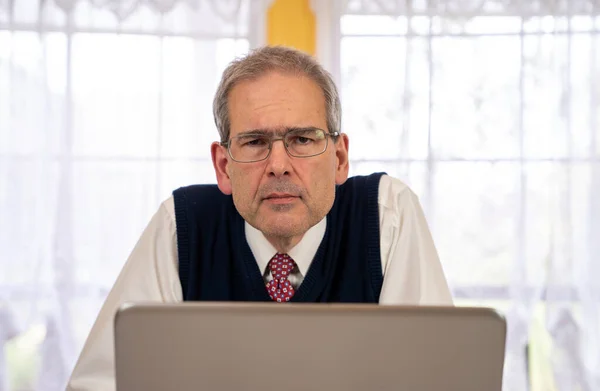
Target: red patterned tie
[280, 289]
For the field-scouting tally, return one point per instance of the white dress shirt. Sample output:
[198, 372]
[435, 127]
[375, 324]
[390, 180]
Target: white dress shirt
[409, 261]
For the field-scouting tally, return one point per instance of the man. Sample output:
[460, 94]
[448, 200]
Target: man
[285, 223]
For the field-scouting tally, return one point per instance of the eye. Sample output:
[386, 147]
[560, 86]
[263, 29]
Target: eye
[302, 140]
[253, 142]
[304, 137]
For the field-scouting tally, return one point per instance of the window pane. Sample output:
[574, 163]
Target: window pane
[27, 223]
[191, 73]
[475, 111]
[544, 120]
[414, 174]
[31, 100]
[373, 25]
[475, 221]
[580, 109]
[174, 174]
[115, 94]
[112, 202]
[385, 104]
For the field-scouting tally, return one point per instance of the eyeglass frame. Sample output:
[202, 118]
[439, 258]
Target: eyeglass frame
[272, 139]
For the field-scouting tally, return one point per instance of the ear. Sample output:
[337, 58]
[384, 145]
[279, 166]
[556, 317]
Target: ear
[341, 154]
[220, 160]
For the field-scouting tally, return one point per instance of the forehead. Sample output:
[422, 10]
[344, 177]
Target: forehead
[276, 101]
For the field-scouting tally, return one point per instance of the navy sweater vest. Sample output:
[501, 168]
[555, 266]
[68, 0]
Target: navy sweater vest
[216, 263]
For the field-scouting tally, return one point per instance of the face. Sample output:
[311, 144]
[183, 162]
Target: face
[281, 196]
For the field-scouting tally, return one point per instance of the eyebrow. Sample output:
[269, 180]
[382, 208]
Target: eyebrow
[279, 132]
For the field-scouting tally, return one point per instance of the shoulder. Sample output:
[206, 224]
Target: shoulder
[395, 196]
[390, 189]
[360, 187]
[203, 199]
[205, 196]
[167, 209]
[198, 191]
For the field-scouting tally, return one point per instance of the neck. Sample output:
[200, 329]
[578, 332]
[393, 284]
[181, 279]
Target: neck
[284, 245]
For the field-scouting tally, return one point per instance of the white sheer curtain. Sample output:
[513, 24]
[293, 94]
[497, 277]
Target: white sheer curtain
[105, 108]
[491, 111]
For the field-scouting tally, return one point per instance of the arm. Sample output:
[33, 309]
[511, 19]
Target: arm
[150, 274]
[412, 270]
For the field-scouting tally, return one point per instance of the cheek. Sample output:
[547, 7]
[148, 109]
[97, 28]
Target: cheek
[244, 182]
[322, 180]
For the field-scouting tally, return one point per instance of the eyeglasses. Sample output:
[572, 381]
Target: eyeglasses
[254, 147]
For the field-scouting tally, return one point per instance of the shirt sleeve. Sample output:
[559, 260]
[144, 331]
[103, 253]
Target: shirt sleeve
[413, 274]
[149, 275]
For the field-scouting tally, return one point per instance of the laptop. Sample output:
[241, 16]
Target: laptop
[333, 347]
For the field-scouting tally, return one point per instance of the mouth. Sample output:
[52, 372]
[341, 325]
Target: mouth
[280, 198]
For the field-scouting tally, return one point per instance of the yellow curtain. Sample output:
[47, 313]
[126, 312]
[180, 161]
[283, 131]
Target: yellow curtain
[292, 23]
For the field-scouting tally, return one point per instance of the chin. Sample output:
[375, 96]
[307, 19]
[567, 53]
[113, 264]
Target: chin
[284, 226]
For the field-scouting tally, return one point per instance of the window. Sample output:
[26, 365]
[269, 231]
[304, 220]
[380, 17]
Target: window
[492, 115]
[103, 112]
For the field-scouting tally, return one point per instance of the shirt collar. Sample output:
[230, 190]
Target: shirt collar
[302, 253]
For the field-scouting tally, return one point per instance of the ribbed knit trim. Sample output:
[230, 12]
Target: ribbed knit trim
[308, 283]
[249, 270]
[183, 240]
[373, 244]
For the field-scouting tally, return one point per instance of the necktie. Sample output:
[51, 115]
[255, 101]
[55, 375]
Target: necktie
[280, 289]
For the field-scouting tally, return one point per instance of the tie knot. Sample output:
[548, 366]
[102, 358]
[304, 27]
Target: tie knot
[281, 265]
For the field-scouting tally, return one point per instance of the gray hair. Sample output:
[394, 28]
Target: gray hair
[275, 58]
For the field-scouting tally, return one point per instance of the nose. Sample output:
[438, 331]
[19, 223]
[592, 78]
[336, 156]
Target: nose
[278, 161]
